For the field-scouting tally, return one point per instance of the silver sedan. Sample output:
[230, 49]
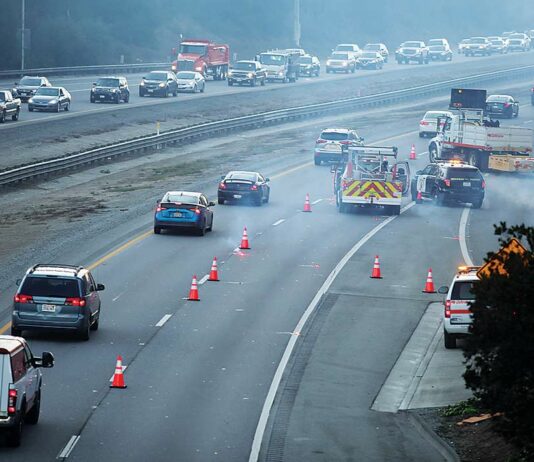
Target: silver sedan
[190, 81]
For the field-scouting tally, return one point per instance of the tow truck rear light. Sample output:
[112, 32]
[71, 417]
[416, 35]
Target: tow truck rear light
[222, 185]
[12, 402]
[320, 141]
[20, 298]
[254, 187]
[75, 301]
[447, 308]
[447, 182]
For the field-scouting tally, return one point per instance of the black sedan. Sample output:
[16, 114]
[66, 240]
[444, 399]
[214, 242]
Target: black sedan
[502, 105]
[244, 186]
[159, 83]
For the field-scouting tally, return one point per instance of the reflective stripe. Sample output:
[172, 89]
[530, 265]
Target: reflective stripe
[383, 189]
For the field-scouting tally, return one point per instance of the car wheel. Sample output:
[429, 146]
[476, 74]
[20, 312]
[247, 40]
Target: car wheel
[258, 201]
[317, 161]
[449, 340]
[268, 196]
[477, 204]
[432, 153]
[394, 209]
[157, 230]
[67, 107]
[262, 82]
[2, 117]
[210, 229]
[202, 230]
[96, 324]
[127, 98]
[84, 332]
[413, 192]
[203, 88]
[30, 108]
[16, 332]
[32, 417]
[230, 83]
[220, 201]
[58, 107]
[14, 437]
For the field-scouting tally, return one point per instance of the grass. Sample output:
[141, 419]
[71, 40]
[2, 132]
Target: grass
[465, 408]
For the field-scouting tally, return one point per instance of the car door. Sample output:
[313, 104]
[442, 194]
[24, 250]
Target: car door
[32, 376]
[422, 179]
[263, 186]
[91, 295]
[208, 212]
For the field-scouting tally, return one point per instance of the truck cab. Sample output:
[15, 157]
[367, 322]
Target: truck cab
[203, 56]
[281, 65]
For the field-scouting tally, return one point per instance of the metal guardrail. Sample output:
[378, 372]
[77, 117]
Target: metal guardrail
[216, 128]
[79, 70]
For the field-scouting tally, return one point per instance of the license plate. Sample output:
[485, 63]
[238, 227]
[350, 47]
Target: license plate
[237, 196]
[467, 183]
[102, 96]
[459, 320]
[332, 147]
[150, 91]
[177, 214]
[49, 308]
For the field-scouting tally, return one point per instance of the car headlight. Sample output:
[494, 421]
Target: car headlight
[30, 100]
[52, 101]
[173, 67]
[281, 73]
[344, 64]
[142, 84]
[250, 75]
[230, 73]
[198, 68]
[328, 63]
[162, 85]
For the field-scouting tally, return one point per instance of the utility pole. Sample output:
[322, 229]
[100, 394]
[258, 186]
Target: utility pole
[22, 34]
[296, 25]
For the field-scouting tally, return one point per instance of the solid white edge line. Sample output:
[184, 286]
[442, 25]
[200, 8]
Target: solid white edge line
[163, 320]
[123, 369]
[65, 452]
[462, 235]
[279, 222]
[203, 280]
[271, 394]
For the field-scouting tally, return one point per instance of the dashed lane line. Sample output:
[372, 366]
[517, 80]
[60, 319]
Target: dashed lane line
[65, 452]
[204, 279]
[163, 320]
[279, 222]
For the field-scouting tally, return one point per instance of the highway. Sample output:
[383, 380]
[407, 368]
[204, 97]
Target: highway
[199, 373]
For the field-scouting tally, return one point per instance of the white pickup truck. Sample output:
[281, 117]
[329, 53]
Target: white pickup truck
[9, 106]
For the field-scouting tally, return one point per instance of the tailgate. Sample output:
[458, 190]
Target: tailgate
[372, 190]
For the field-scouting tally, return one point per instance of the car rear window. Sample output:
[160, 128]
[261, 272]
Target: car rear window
[334, 136]
[50, 287]
[181, 198]
[241, 177]
[462, 290]
[462, 173]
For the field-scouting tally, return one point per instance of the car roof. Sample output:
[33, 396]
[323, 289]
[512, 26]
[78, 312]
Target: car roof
[457, 164]
[183, 193]
[56, 270]
[240, 172]
[337, 130]
[10, 344]
[347, 44]
[246, 61]
[438, 112]
[466, 273]
[499, 96]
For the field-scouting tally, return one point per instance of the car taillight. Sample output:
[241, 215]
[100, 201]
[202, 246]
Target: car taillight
[320, 141]
[423, 122]
[75, 301]
[222, 185]
[19, 298]
[159, 208]
[483, 184]
[447, 183]
[345, 142]
[197, 211]
[507, 105]
[254, 187]
[447, 308]
[532, 89]
[12, 402]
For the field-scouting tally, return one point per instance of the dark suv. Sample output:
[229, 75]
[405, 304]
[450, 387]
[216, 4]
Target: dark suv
[447, 182]
[159, 83]
[61, 297]
[113, 89]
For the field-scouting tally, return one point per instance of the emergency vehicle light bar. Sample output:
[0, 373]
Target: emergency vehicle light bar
[467, 269]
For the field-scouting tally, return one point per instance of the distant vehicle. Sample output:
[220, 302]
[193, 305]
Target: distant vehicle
[341, 61]
[28, 85]
[463, 45]
[193, 82]
[412, 51]
[477, 46]
[351, 48]
[502, 105]
[428, 126]
[457, 315]
[498, 45]
[247, 72]
[159, 83]
[309, 65]
[437, 42]
[184, 210]
[297, 51]
[50, 99]
[20, 386]
[380, 48]
[204, 56]
[439, 53]
[60, 297]
[9, 106]
[244, 187]
[331, 142]
[518, 42]
[449, 182]
[281, 65]
[370, 60]
[112, 89]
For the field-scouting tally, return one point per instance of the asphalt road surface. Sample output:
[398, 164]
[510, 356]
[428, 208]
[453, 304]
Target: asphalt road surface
[199, 372]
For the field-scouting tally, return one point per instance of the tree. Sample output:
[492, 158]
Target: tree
[500, 351]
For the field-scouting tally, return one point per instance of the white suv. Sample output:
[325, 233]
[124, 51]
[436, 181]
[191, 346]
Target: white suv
[329, 146]
[457, 315]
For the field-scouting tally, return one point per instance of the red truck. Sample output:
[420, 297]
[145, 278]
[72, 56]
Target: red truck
[202, 56]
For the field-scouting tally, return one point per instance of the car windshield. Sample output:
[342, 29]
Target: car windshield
[305, 60]
[345, 48]
[372, 47]
[30, 81]
[46, 91]
[193, 49]
[462, 290]
[180, 198]
[244, 66]
[269, 59]
[514, 41]
[478, 40]
[334, 136]
[242, 176]
[50, 287]
[498, 99]
[107, 82]
[185, 75]
[160, 76]
[437, 48]
[340, 56]
[369, 55]
[463, 173]
[517, 36]
[411, 44]
[2, 97]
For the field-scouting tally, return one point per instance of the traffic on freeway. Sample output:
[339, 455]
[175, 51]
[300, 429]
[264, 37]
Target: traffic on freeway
[248, 296]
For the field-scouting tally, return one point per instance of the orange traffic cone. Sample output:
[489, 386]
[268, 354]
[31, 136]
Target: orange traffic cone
[413, 156]
[307, 206]
[193, 292]
[244, 240]
[429, 286]
[419, 198]
[376, 270]
[214, 273]
[118, 377]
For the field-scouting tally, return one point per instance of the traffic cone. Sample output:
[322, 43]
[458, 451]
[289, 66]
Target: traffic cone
[214, 273]
[419, 198]
[193, 292]
[118, 377]
[307, 206]
[244, 240]
[429, 286]
[376, 270]
[413, 156]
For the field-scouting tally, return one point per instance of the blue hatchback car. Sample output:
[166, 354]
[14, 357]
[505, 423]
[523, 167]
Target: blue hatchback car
[183, 209]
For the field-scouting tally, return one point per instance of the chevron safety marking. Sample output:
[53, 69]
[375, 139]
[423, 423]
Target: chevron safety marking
[379, 189]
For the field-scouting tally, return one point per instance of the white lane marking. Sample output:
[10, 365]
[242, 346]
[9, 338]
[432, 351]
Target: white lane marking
[279, 222]
[69, 447]
[117, 297]
[317, 201]
[264, 416]
[163, 320]
[123, 369]
[528, 121]
[204, 279]
[422, 154]
[463, 242]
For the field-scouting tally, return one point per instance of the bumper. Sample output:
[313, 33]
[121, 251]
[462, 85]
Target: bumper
[276, 77]
[326, 156]
[242, 79]
[367, 65]
[476, 51]
[8, 422]
[40, 107]
[185, 88]
[176, 224]
[456, 329]
[154, 91]
[105, 97]
[369, 202]
[464, 197]
[400, 57]
[438, 57]
[242, 195]
[335, 68]
[36, 323]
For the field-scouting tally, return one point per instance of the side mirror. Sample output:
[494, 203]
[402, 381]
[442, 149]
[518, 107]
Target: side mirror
[18, 281]
[47, 360]
[16, 83]
[43, 85]
[419, 172]
[267, 180]
[158, 201]
[223, 177]
[211, 204]
[443, 290]
[94, 84]
[100, 287]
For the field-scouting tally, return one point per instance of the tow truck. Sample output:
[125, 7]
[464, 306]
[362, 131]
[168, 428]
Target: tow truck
[474, 138]
[370, 176]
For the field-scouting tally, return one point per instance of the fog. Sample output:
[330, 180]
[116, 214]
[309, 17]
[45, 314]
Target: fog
[84, 32]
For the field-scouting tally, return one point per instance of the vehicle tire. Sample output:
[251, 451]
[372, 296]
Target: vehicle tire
[157, 230]
[127, 98]
[317, 161]
[262, 82]
[432, 152]
[16, 332]
[343, 208]
[84, 332]
[32, 417]
[230, 83]
[67, 107]
[477, 204]
[96, 324]
[30, 108]
[220, 201]
[449, 340]
[195, 89]
[258, 201]
[2, 117]
[395, 209]
[203, 88]
[253, 83]
[268, 196]
[58, 107]
[202, 230]
[14, 436]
